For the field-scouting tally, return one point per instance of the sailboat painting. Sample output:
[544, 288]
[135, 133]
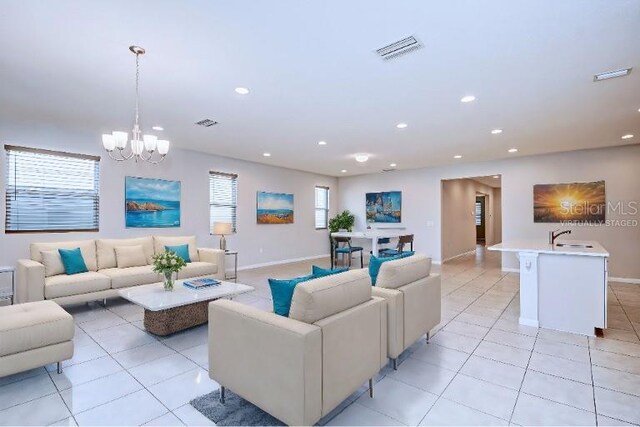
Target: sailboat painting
[384, 207]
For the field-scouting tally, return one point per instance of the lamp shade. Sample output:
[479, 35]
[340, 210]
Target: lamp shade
[222, 228]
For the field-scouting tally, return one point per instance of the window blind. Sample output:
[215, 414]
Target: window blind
[223, 198]
[478, 213]
[322, 207]
[48, 191]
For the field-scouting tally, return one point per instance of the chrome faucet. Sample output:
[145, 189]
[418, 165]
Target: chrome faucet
[553, 235]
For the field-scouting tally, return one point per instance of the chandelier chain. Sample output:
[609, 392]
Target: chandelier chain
[137, 83]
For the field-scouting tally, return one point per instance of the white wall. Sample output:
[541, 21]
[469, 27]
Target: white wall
[422, 210]
[257, 244]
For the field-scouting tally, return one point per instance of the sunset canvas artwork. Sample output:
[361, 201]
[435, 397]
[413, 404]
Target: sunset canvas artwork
[579, 202]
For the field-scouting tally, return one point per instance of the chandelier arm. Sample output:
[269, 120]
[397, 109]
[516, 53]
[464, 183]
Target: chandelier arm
[150, 159]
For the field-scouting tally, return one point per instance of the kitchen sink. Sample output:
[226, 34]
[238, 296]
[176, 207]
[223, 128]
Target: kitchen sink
[573, 245]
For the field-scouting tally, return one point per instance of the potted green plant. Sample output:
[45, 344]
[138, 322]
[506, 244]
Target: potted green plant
[343, 221]
[168, 263]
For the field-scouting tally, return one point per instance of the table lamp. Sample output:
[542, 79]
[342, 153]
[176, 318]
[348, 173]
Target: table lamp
[222, 228]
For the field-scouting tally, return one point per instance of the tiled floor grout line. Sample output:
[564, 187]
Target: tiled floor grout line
[593, 383]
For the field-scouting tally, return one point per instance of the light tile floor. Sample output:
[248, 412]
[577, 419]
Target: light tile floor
[480, 368]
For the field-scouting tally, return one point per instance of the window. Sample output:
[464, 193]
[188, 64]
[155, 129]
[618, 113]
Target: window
[48, 191]
[223, 198]
[322, 207]
[478, 213]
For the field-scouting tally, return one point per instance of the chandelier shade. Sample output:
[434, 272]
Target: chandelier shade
[140, 147]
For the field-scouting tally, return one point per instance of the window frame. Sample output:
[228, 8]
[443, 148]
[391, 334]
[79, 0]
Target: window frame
[325, 209]
[96, 182]
[234, 178]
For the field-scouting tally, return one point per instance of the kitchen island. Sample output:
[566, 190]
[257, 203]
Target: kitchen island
[563, 286]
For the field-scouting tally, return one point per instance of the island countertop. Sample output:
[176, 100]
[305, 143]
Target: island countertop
[543, 247]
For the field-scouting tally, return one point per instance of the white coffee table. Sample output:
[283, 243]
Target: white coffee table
[166, 312]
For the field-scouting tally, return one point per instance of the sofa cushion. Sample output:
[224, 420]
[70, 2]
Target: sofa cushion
[52, 262]
[181, 250]
[64, 285]
[375, 263]
[33, 325]
[326, 296]
[107, 255]
[87, 247]
[282, 293]
[73, 261]
[321, 272]
[400, 272]
[130, 256]
[159, 242]
[198, 268]
[131, 276]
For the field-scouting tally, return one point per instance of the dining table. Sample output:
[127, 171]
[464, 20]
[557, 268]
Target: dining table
[373, 235]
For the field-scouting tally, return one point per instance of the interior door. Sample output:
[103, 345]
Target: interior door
[480, 219]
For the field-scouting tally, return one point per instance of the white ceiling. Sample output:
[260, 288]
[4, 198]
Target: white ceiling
[313, 76]
[489, 180]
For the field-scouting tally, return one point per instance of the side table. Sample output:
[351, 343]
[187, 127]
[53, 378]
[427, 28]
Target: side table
[7, 283]
[235, 266]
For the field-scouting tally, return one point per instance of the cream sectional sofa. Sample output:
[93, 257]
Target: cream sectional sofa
[104, 279]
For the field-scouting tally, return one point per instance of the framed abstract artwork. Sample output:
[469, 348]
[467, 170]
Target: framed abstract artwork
[274, 208]
[577, 202]
[385, 206]
[151, 203]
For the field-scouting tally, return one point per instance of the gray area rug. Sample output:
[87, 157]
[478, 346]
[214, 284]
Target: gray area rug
[235, 412]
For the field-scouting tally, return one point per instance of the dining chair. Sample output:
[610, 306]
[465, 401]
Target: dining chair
[346, 249]
[407, 239]
[383, 241]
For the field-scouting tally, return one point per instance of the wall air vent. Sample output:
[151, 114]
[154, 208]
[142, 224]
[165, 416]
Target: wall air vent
[206, 123]
[389, 170]
[399, 48]
[612, 74]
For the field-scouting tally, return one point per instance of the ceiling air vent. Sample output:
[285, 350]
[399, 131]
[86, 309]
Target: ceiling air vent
[389, 170]
[398, 48]
[206, 122]
[612, 74]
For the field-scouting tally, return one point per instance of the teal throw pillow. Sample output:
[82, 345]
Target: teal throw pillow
[282, 293]
[181, 250]
[73, 261]
[375, 263]
[321, 272]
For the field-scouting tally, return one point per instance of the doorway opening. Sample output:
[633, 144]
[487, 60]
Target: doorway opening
[471, 214]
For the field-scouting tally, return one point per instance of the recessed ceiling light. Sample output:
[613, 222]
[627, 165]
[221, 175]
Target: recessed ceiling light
[401, 125]
[457, 156]
[242, 90]
[513, 150]
[393, 165]
[157, 128]
[496, 176]
[343, 171]
[627, 136]
[361, 158]
[322, 142]
[266, 154]
[468, 98]
[496, 131]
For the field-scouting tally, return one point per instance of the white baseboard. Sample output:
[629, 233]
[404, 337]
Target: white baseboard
[458, 256]
[510, 270]
[624, 280]
[284, 261]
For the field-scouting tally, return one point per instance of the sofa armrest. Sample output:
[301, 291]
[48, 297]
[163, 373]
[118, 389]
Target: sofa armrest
[395, 319]
[29, 281]
[272, 361]
[214, 256]
[422, 307]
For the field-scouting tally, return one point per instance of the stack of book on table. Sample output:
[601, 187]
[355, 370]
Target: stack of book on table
[204, 282]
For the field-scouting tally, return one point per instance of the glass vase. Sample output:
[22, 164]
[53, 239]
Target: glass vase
[169, 280]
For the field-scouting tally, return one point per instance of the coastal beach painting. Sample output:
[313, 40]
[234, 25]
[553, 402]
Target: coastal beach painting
[384, 206]
[274, 208]
[151, 203]
[576, 202]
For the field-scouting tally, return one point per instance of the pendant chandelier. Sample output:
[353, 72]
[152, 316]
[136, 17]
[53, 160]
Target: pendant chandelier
[141, 147]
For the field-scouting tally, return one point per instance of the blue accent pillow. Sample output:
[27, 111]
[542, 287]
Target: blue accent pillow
[73, 261]
[321, 272]
[375, 263]
[282, 293]
[181, 250]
